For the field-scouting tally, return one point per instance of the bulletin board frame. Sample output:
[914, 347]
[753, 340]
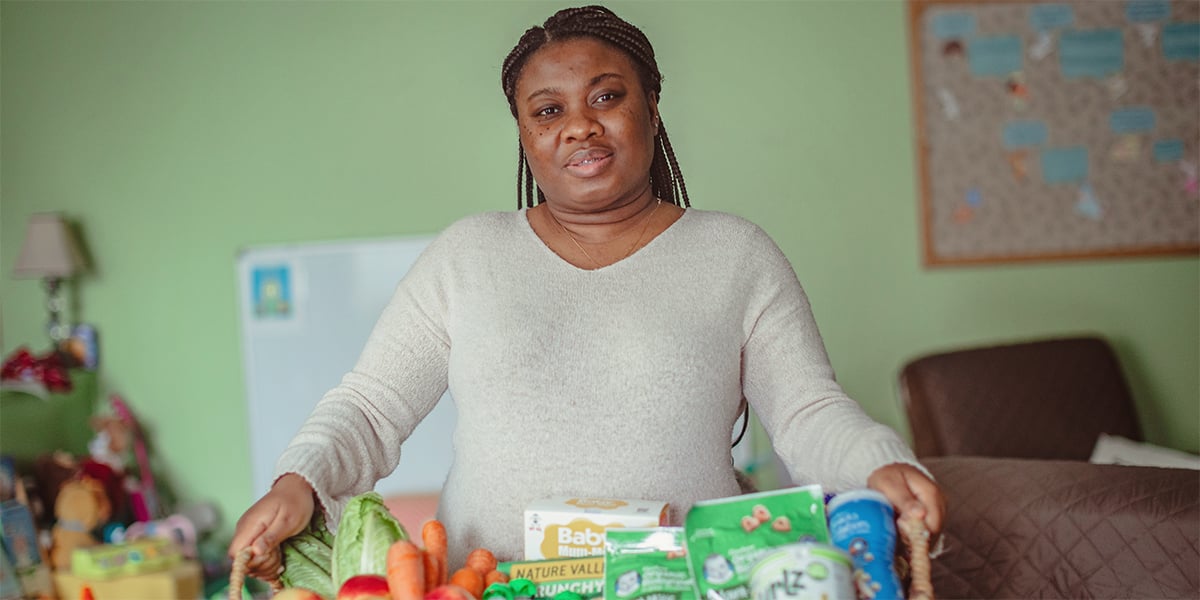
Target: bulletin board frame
[1076, 226]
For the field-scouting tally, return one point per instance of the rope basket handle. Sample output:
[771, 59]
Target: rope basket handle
[916, 537]
[237, 575]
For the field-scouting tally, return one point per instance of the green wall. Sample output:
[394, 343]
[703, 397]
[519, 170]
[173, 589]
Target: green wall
[176, 133]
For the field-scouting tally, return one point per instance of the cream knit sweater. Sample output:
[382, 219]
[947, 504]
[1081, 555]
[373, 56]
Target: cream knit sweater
[620, 382]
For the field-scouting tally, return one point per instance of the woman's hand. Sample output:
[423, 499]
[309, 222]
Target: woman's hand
[283, 512]
[912, 493]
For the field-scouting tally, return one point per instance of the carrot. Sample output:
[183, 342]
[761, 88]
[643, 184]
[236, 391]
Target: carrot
[405, 571]
[433, 533]
[469, 579]
[494, 577]
[431, 570]
[482, 560]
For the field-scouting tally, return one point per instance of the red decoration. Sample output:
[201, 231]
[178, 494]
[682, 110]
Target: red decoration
[48, 370]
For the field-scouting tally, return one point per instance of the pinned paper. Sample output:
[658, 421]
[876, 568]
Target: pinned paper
[1190, 183]
[995, 56]
[963, 214]
[1018, 160]
[1025, 133]
[1127, 148]
[1065, 165]
[1181, 41]
[1137, 119]
[949, 103]
[1018, 91]
[1116, 86]
[1042, 47]
[1088, 206]
[953, 48]
[1148, 32]
[1044, 17]
[1168, 151]
[953, 24]
[1091, 52]
[974, 198]
[1145, 11]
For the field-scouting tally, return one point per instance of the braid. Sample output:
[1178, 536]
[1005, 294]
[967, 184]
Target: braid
[601, 23]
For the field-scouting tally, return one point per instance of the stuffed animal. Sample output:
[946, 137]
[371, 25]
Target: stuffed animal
[109, 453]
[81, 506]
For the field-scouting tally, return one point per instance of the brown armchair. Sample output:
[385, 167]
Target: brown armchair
[1006, 430]
[1040, 399]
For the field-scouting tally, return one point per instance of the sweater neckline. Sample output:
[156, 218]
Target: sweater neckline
[523, 217]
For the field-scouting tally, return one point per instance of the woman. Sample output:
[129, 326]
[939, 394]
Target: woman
[597, 342]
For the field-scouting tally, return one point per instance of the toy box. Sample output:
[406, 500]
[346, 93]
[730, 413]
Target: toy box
[106, 561]
[568, 527]
[184, 580]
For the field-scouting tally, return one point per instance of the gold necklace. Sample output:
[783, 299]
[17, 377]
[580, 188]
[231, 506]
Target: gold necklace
[628, 252]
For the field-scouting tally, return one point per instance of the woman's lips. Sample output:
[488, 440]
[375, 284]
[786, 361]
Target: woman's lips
[586, 163]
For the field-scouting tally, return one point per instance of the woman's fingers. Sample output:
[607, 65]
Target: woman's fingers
[912, 493]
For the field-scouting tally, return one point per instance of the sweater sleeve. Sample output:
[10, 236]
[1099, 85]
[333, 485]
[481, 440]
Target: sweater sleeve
[353, 437]
[821, 434]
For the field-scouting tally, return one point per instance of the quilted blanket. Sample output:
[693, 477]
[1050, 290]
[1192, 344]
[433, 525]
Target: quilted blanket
[1066, 529]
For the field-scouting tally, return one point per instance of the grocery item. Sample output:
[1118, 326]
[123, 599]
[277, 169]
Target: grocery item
[726, 537]
[583, 576]
[863, 523]
[572, 527]
[365, 533]
[645, 563]
[307, 559]
[804, 571]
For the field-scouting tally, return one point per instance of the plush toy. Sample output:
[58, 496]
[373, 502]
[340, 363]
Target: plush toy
[108, 453]
[81, 506]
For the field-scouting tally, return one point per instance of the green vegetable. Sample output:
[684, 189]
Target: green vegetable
[365, 533]
[307, 557]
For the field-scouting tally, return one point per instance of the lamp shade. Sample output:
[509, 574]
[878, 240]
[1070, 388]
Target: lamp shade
[50, 248]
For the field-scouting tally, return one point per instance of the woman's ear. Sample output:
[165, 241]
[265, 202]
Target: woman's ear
[652, 104]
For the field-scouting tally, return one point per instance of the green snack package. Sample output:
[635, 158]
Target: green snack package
[365, 532]
[307, 558]
[726, 537]
[646, 564]
[583, 576]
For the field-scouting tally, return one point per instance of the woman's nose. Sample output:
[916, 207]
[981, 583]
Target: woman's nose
[581, 125]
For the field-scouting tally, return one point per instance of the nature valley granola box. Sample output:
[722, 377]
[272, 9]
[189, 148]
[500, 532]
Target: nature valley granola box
[567, 527]
[582, 576]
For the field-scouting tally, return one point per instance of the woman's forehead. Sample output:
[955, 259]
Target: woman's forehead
[574, 60]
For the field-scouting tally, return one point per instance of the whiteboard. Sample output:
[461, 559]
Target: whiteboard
[305, 312]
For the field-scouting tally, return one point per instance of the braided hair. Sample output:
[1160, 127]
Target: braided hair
[598, 22]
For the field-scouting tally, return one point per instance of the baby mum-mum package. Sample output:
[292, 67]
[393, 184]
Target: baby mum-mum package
[573, 527]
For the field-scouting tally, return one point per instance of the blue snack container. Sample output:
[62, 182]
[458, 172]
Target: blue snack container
[862, 523]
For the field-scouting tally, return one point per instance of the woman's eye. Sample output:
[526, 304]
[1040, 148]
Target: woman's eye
[607, 97]
[545, 112]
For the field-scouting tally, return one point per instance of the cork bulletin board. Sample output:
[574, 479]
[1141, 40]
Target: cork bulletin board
[1056, 130]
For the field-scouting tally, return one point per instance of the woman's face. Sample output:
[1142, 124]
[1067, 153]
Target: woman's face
[586, 124]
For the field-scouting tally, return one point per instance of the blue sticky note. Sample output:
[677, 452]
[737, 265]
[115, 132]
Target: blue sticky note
[1147, 11]
[1022, 134]
[1181, 41]
[1138, 119]
[1046, 17]
[974, 198]
[994, 56]
[951, 25]
[1065, 165]
[1167, 151]
[1091, 53]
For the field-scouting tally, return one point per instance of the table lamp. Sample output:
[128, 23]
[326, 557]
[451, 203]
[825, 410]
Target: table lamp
[50, 252]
